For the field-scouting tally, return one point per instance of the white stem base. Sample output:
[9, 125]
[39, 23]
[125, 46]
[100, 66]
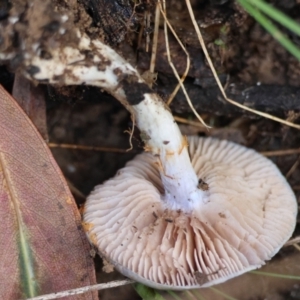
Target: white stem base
[180, 182]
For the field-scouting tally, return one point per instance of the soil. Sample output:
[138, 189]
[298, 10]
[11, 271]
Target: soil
[256, 70]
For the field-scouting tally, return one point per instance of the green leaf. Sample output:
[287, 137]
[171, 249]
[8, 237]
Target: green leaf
[147, 293]
[271, 28]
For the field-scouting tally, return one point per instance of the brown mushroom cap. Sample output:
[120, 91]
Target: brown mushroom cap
[250, 214]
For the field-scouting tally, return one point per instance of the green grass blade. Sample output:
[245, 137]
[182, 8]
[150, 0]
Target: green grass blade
[222, 293]
[199, 296]
[277, 15]
[147, 293]
[174, 295]
[271, 28]
[283, 276]
[188, 296]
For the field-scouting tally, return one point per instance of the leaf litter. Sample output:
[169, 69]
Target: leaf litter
[263, 126]
[43, 245]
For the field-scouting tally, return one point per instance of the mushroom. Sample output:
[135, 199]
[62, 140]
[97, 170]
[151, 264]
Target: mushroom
[164, 220]
[248, 212]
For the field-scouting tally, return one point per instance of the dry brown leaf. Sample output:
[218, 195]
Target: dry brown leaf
[32, 100]
[43, 246]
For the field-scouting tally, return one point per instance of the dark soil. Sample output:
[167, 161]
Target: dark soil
[258, 73]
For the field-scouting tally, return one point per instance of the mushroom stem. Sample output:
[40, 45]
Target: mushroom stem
[92, 62]
[163, 138]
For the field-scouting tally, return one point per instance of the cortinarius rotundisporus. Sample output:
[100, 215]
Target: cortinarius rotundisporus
[165, 219]
[244, 213]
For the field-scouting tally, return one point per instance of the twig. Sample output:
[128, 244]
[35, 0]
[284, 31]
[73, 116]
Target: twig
[148, 21]
[82, 290]
[189, 122]
[75, 191]
[155, 39]
[293, 241]
[131, 134]
[178, 119]
[90, 148]
[293, 168]
[296, 246]
[280, 152]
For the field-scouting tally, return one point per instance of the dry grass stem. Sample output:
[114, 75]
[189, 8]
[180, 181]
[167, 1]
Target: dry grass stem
[197, 29]
[75, 191]
[189, 122]
[296, 246]
[293, 168]
[191, 296]
[188, 60]
[154, 42]
[180, 80]
[130, 138]
[89, 148]
[293, 241]
[82, 290]
[148, 22]
[280, 152]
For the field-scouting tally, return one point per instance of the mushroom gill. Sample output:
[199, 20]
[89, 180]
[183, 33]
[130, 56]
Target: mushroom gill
[249, 213]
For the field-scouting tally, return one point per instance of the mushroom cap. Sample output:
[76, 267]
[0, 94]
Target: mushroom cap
[250, 214]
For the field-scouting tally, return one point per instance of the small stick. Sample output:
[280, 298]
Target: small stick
[188, 60]
[293, 241]
[154, 43]
[281, 152]
[293, 168]
[192, 123]
[89, 148]
[82, 290]
[178, 119]
[148, 21]
[75, 191]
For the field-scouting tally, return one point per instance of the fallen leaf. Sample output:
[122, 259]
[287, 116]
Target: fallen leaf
[32, 100]
[43, 246]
